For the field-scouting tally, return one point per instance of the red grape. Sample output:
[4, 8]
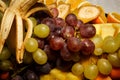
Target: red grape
[87, 47]
[56, 43]
[54, 12]
[87, 31]
[79, 24]
[67, 32]
[60, 22]
[73, 44]
[71, 19]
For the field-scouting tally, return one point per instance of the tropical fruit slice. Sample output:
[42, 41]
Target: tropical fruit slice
[88, 13]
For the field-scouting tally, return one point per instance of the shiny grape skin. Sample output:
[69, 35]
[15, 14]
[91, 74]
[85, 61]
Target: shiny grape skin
[79, 24]
[54, 12]
[56, 43]
[60, 22]
[71, 19]
[87, 31]
[67, 32]
[88, 47]
[73, 44]
[65, 53]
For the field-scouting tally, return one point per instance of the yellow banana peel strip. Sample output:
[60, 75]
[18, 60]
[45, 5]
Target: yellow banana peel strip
[19, 37]
[3, 6]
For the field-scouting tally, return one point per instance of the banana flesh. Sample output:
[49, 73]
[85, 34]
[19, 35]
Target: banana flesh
[11, 30]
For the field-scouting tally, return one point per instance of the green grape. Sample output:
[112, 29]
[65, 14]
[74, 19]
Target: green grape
[5, 65]
[27, 58]
[117, 38]
[97, 40]
[98, 51]
[77, 69]
[31, 45]
[5, 54]
[41, 30]
[34, 21]
[109, 45]
[104, 66]
[91, 71]
[113, 59]
[40, 56]
[118, 54]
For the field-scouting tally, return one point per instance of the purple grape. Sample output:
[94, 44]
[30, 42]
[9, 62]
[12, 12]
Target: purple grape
[60, 22]
[71, 19]
[56, 43]
[54, 12]
[65, 53]
[87, 31]
[79, 24]
[87, 47]
[40, 43]
[67, 32]
[73, 44]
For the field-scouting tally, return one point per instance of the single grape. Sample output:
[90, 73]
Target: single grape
[67, 32]
[27, 58]
[104, 66]
[87, 31]
[30, 75]
[65, 53]
[109, 45]
[31, 45]
[45, 68]
[34, 21]
[60, 22]
[54, 12]
[71, 19]
[56, 43]
[6, 65]
[98, 51]
[5, 54]
[40, 43]
[40, 56]
[41, 30]
[75, 57]
[88, 47]
[73, 44]
[91, 71]
[113, 59]
[77, 69]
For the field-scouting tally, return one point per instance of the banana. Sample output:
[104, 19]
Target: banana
[3, 6]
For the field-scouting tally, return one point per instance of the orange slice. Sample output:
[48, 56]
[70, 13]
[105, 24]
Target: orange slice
[88, 13]
[113, 17]
[47, 2]
[101, 18]
[74, 3]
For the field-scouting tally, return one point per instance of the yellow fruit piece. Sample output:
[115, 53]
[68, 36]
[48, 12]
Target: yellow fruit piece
[83, 3]
[74, 3]
[70, 76]
[113, 17]
[88, 13]
[47, 2]
[63, 9]
[46, 77]
[109, 29]
[58, 2]
[57, 74]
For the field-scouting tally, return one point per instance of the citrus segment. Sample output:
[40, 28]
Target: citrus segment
[113, 17]
[88, 13]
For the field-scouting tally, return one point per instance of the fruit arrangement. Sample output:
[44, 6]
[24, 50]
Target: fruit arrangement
[58, 40]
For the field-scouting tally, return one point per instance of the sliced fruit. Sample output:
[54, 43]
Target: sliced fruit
[88, 13]
[73, 3]
[84, 3]
[109, 29]
[63, 9]
[113, 17]
[101, 18]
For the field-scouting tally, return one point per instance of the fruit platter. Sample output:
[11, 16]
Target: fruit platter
[58, 40]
